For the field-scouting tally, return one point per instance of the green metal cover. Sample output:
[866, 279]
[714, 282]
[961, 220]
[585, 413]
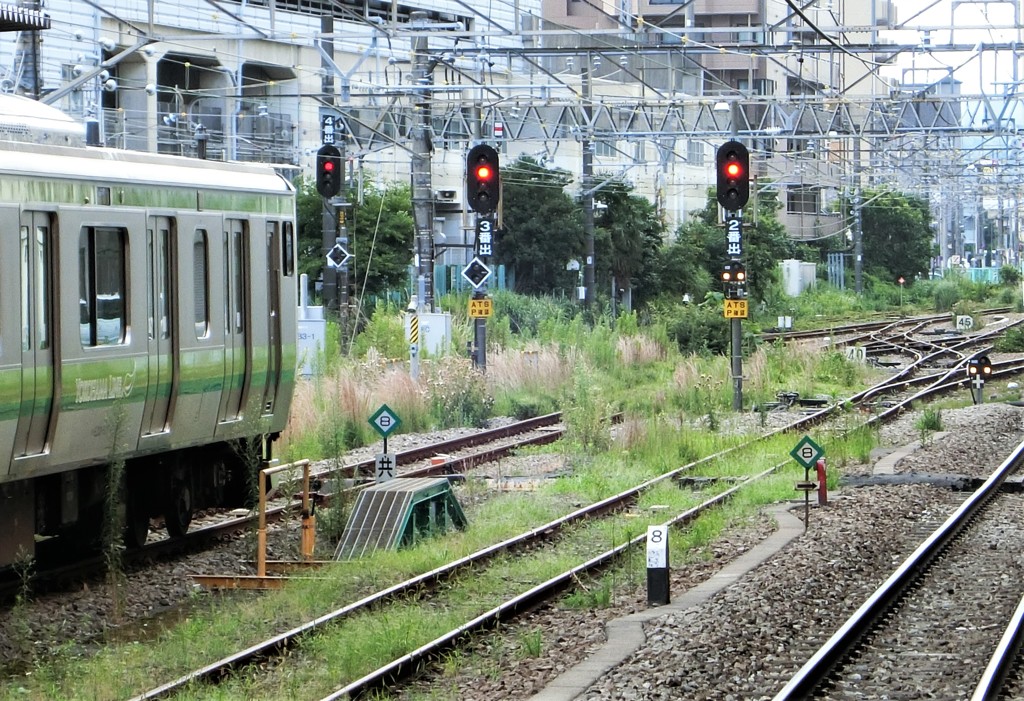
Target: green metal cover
[399, 512]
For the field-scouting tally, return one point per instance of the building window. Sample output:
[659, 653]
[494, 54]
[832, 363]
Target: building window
[695, 152]
[605, 149]
[803, 200]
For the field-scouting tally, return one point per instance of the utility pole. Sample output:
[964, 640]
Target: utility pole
[329, 213]
[588, 187]
[422, 189]
[858, 222]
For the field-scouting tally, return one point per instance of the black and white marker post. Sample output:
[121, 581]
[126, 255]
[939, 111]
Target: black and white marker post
[657, 566]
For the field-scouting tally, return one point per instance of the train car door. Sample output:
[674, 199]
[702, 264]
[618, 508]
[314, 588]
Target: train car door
[274, 312]
[159, 298]
[237, 354]
[37, 381]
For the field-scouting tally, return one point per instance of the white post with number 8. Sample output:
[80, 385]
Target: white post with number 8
[657, 566]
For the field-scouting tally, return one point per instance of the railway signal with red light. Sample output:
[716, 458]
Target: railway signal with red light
[483, 179]
[733, 168]
[328, 171]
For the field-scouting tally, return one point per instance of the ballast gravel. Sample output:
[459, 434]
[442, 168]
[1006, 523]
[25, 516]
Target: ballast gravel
[742, 644]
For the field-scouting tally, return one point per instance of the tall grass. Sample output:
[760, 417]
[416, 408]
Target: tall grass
[527, 382]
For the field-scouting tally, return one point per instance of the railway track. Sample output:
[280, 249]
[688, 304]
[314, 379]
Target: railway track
[490, 445]
[895, 336]
[956, 586]
[848, 334]
[933, 382]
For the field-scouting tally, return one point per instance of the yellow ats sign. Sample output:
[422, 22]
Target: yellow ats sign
[481, 308]
[735, 309]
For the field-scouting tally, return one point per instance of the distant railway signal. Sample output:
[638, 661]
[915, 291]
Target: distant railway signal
[734, 272]
[733, 169]
[734, 278]
[483, 179]
[980, 367]
[328, 171]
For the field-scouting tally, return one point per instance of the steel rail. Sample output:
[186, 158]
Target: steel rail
[278, 644]
[409, 663]
[200, 537]
[816, 670]
[1003, 658]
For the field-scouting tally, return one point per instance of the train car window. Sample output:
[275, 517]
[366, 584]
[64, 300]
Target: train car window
[102, 292]
[35, 285]
[201, 283]
[288, 250]
[26, 291]
[150, 277]
[163, 292]
[42, 287]
[238, 281]
[103, 195]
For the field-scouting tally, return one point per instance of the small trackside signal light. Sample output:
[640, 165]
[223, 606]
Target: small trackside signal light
[732, 163]
[979, 366]
[328, 171]
[734, 277]
[483, 179]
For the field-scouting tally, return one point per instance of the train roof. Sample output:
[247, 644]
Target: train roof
[57, 151]
[28, 121]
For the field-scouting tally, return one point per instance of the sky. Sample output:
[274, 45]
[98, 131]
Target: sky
[968, 24]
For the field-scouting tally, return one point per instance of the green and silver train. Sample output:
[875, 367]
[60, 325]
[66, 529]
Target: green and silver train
[147, 331]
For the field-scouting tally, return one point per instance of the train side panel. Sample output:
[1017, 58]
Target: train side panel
[104, 359]
[17, 499]
[10, 337]
[147, 312]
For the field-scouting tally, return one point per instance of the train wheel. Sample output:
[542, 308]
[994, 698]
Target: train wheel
[136, 529]
[178, 514]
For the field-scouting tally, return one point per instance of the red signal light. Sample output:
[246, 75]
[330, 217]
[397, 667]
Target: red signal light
[328, 171]
[483, 179]
[732, 165]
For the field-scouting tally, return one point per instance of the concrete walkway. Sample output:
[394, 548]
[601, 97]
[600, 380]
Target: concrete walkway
[887, 464]
[626, 635]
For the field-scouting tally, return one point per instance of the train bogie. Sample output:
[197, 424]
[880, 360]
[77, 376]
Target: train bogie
[147, 322]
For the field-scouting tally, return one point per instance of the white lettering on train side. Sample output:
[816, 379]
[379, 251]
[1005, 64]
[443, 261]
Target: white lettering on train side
[104, 388]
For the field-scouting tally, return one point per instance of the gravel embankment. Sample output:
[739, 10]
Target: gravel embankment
[734, 647]
[743, 643]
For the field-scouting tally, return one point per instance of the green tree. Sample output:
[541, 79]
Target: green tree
[897, 235]
[542, 228]
[380, 235]
[693, 261]
[765, 244]
[628, 234]
[308, 207]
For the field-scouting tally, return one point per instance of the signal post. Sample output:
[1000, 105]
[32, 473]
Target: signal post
[979, 369]
[732, 165]
[330, 174]
[483, 193]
